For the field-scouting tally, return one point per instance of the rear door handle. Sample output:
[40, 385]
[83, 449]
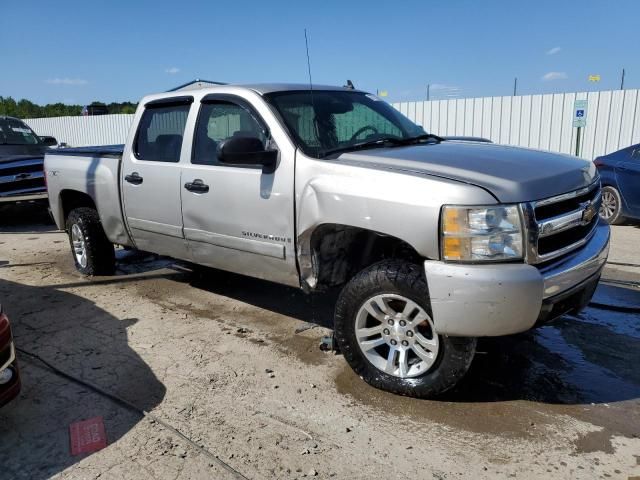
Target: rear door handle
[134, 178]
[197, 186]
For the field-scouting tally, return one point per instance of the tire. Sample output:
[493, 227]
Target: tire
[84, 227]
[395, 282]
[611, 207]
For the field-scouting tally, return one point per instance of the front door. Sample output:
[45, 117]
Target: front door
[151, 185]
[238, 218]
[628, 176]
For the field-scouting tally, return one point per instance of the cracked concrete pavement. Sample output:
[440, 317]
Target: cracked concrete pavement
[234, 364]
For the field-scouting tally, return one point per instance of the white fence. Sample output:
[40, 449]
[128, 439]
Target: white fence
[84, 131]
[536, 121]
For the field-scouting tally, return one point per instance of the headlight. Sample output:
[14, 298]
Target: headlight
[481, 233]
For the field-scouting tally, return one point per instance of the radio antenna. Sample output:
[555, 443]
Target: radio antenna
[306, 43]
[313, 105]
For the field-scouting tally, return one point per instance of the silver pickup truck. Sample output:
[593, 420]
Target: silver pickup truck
[433, 242]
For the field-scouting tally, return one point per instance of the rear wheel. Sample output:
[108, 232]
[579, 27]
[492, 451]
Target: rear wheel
[384, 328]
[93, 253]
[610, 208]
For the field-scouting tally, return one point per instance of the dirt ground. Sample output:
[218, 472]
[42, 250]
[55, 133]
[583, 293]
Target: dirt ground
[233, 363]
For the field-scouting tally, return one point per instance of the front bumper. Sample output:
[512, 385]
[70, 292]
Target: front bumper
[501, 299]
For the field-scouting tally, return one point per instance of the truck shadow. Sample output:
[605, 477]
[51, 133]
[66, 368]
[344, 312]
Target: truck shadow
[589, 358]
[80, 338]
[31, 217]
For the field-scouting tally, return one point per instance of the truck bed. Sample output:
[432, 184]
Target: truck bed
[92, 172]
[96, 151]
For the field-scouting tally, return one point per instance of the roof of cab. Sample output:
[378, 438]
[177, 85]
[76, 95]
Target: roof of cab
[259, 88]
[265, 88]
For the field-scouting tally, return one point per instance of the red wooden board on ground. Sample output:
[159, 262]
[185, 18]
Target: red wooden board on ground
[87, 436]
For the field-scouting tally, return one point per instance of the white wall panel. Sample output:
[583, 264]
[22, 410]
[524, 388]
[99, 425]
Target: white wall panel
[629, 111]
[546, 118]
[540, 121]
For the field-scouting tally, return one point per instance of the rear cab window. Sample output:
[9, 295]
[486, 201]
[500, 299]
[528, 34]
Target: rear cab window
[161, 130]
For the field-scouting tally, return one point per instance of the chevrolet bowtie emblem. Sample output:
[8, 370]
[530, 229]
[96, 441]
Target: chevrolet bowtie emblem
[588, 213]
[22, 176]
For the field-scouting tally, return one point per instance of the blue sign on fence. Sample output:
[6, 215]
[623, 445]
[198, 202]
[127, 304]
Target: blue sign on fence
[580, 113]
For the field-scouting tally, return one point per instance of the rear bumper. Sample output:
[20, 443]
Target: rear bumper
[501, 299]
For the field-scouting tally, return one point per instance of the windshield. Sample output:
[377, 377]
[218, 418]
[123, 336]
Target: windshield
[15, 132]
[322, 121]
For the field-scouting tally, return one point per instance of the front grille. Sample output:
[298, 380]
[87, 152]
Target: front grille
[20, 186]
[562, 224]
[545, 211]
[22, 177]
[21, 166]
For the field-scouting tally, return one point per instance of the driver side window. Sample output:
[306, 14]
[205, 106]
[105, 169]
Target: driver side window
[218, 122]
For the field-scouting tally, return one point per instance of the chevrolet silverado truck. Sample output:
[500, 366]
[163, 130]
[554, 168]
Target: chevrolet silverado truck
[21, 162]
[433, 243]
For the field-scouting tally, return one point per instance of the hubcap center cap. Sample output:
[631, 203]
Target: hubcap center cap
[399, 333]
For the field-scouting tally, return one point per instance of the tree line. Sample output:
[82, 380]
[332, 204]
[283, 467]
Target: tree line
[27, 109]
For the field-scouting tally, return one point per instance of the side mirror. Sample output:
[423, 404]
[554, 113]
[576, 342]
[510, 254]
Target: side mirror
[49, 141]
[247, 151]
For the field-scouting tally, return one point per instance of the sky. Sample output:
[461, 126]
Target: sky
[76, 52]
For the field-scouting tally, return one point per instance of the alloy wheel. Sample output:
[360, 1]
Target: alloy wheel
[79, 245]
[397, 335]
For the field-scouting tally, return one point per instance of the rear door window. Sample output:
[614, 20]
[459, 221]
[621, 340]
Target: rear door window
[160, 133]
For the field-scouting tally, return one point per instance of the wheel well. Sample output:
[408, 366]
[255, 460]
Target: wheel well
[71, 199]
[340, 251]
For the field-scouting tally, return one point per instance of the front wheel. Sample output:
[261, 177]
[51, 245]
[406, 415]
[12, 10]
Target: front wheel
[384, 328]
[93, 253]
[611, 206]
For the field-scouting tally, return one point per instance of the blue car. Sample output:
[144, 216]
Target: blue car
[620, 173]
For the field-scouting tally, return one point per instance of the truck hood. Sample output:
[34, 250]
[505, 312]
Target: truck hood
[511, 174]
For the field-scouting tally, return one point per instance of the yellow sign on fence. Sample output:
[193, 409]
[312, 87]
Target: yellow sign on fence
[594, 78]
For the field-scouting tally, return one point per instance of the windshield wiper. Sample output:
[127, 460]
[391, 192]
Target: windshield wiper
[382, 142]
[419, 138]
[379, 142]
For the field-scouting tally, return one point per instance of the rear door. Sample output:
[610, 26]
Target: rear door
[151, 178]
[239, 218]
[628, 176]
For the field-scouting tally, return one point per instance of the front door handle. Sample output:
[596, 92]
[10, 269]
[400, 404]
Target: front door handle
[197, 186]
[134, 178]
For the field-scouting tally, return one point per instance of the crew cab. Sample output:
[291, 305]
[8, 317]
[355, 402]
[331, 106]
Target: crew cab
[433, 242]
[21, 162]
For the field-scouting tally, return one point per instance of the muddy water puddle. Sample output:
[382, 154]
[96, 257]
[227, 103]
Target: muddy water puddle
[578, 366]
